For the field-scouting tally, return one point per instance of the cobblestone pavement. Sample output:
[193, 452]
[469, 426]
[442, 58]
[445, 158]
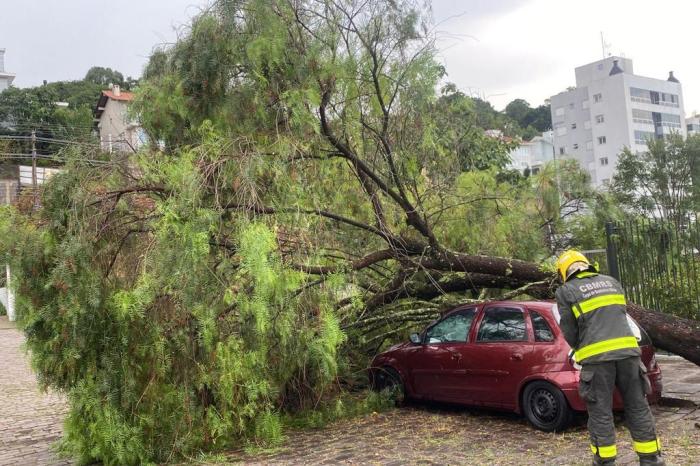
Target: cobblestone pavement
[30, 421]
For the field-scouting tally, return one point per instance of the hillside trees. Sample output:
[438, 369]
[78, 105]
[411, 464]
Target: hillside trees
[42, 109]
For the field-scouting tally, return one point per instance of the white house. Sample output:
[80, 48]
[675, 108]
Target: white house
[5, 78]
[612, 108]
[118, 132]
[534, 154]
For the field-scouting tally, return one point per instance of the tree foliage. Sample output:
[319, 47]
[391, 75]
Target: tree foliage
[663, 181]
[103, 77]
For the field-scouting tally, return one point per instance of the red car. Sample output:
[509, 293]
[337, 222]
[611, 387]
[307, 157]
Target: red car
[505, 355]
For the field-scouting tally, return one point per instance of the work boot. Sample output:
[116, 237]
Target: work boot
[651, 460]
[598, 461]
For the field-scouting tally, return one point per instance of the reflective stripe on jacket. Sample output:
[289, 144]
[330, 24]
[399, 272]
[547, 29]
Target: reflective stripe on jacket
[594, 318]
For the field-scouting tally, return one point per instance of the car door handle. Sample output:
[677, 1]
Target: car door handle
[516, 357]
[455, 355]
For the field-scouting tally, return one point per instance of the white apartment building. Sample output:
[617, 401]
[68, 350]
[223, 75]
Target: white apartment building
[612, 108]
[5, 78]
[692, 124]
[534, 154]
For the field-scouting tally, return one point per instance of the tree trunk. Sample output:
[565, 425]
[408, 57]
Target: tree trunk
[673, 334]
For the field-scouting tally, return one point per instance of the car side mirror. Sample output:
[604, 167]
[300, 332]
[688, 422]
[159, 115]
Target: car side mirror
[415, 339]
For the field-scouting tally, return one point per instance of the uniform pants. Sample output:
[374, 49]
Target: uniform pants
[596, 387]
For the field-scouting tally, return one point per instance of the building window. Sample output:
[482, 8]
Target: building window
[589, 145]
[670, 120]
[575, 146]
[640, 95]
[642, 137]
[653, 97]
[605, 181]
[535, 170]
[562, 150]
[573, 125]
[597, 98]
[571, 105]
[602, 140]
[599, 119]
[559, 111]
[603, 161]
[643, 117]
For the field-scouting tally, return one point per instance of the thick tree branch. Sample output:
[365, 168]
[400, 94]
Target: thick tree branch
[358, 264]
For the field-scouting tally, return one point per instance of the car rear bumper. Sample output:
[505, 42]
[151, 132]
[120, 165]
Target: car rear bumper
[577, 404]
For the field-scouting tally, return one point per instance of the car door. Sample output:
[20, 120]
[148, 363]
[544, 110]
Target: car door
[437, 369]
[500, 356]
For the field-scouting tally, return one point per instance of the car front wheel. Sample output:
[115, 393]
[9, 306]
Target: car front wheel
[387, 379]
[546, 408]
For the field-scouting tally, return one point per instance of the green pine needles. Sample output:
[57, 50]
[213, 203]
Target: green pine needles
[166, 345]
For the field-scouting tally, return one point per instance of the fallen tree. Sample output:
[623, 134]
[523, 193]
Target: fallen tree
[306, 204]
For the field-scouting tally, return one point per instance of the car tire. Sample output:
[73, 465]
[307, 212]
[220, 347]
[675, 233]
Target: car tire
[545, 407]
[388, 379]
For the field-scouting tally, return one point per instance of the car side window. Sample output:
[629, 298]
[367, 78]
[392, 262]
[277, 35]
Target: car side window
[453, 329]
[542, 330]
[502, 324]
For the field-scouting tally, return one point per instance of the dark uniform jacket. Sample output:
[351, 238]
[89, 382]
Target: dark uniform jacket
[594, 319]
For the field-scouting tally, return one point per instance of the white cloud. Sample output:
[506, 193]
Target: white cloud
[531, 51]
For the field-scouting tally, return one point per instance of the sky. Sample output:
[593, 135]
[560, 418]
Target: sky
[496, 49]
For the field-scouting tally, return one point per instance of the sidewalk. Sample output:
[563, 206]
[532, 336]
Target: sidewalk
[30, 421]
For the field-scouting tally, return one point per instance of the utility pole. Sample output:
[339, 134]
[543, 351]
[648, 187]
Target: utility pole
[34, 180]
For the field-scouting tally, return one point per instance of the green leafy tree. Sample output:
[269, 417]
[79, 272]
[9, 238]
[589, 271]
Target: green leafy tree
[519, 111]
[103, 77]
[531, 120]
[660, 182]
[458, 130]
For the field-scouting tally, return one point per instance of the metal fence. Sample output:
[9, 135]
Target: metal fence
[657, 263]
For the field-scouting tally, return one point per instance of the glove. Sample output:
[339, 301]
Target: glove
[572, 360]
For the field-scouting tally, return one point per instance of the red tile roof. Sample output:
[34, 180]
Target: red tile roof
[123, 95]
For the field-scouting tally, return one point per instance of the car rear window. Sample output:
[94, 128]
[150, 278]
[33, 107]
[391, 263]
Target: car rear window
[502, 324]
[542, 330]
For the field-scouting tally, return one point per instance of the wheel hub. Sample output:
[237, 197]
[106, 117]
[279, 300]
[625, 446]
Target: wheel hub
[544, 405]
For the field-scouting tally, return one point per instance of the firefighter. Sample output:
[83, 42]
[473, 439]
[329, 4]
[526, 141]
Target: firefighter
[594, 322]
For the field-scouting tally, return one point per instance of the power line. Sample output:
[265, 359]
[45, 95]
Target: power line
[16, 155]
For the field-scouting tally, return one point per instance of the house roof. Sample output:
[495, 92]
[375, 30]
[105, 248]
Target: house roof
[124, 96]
